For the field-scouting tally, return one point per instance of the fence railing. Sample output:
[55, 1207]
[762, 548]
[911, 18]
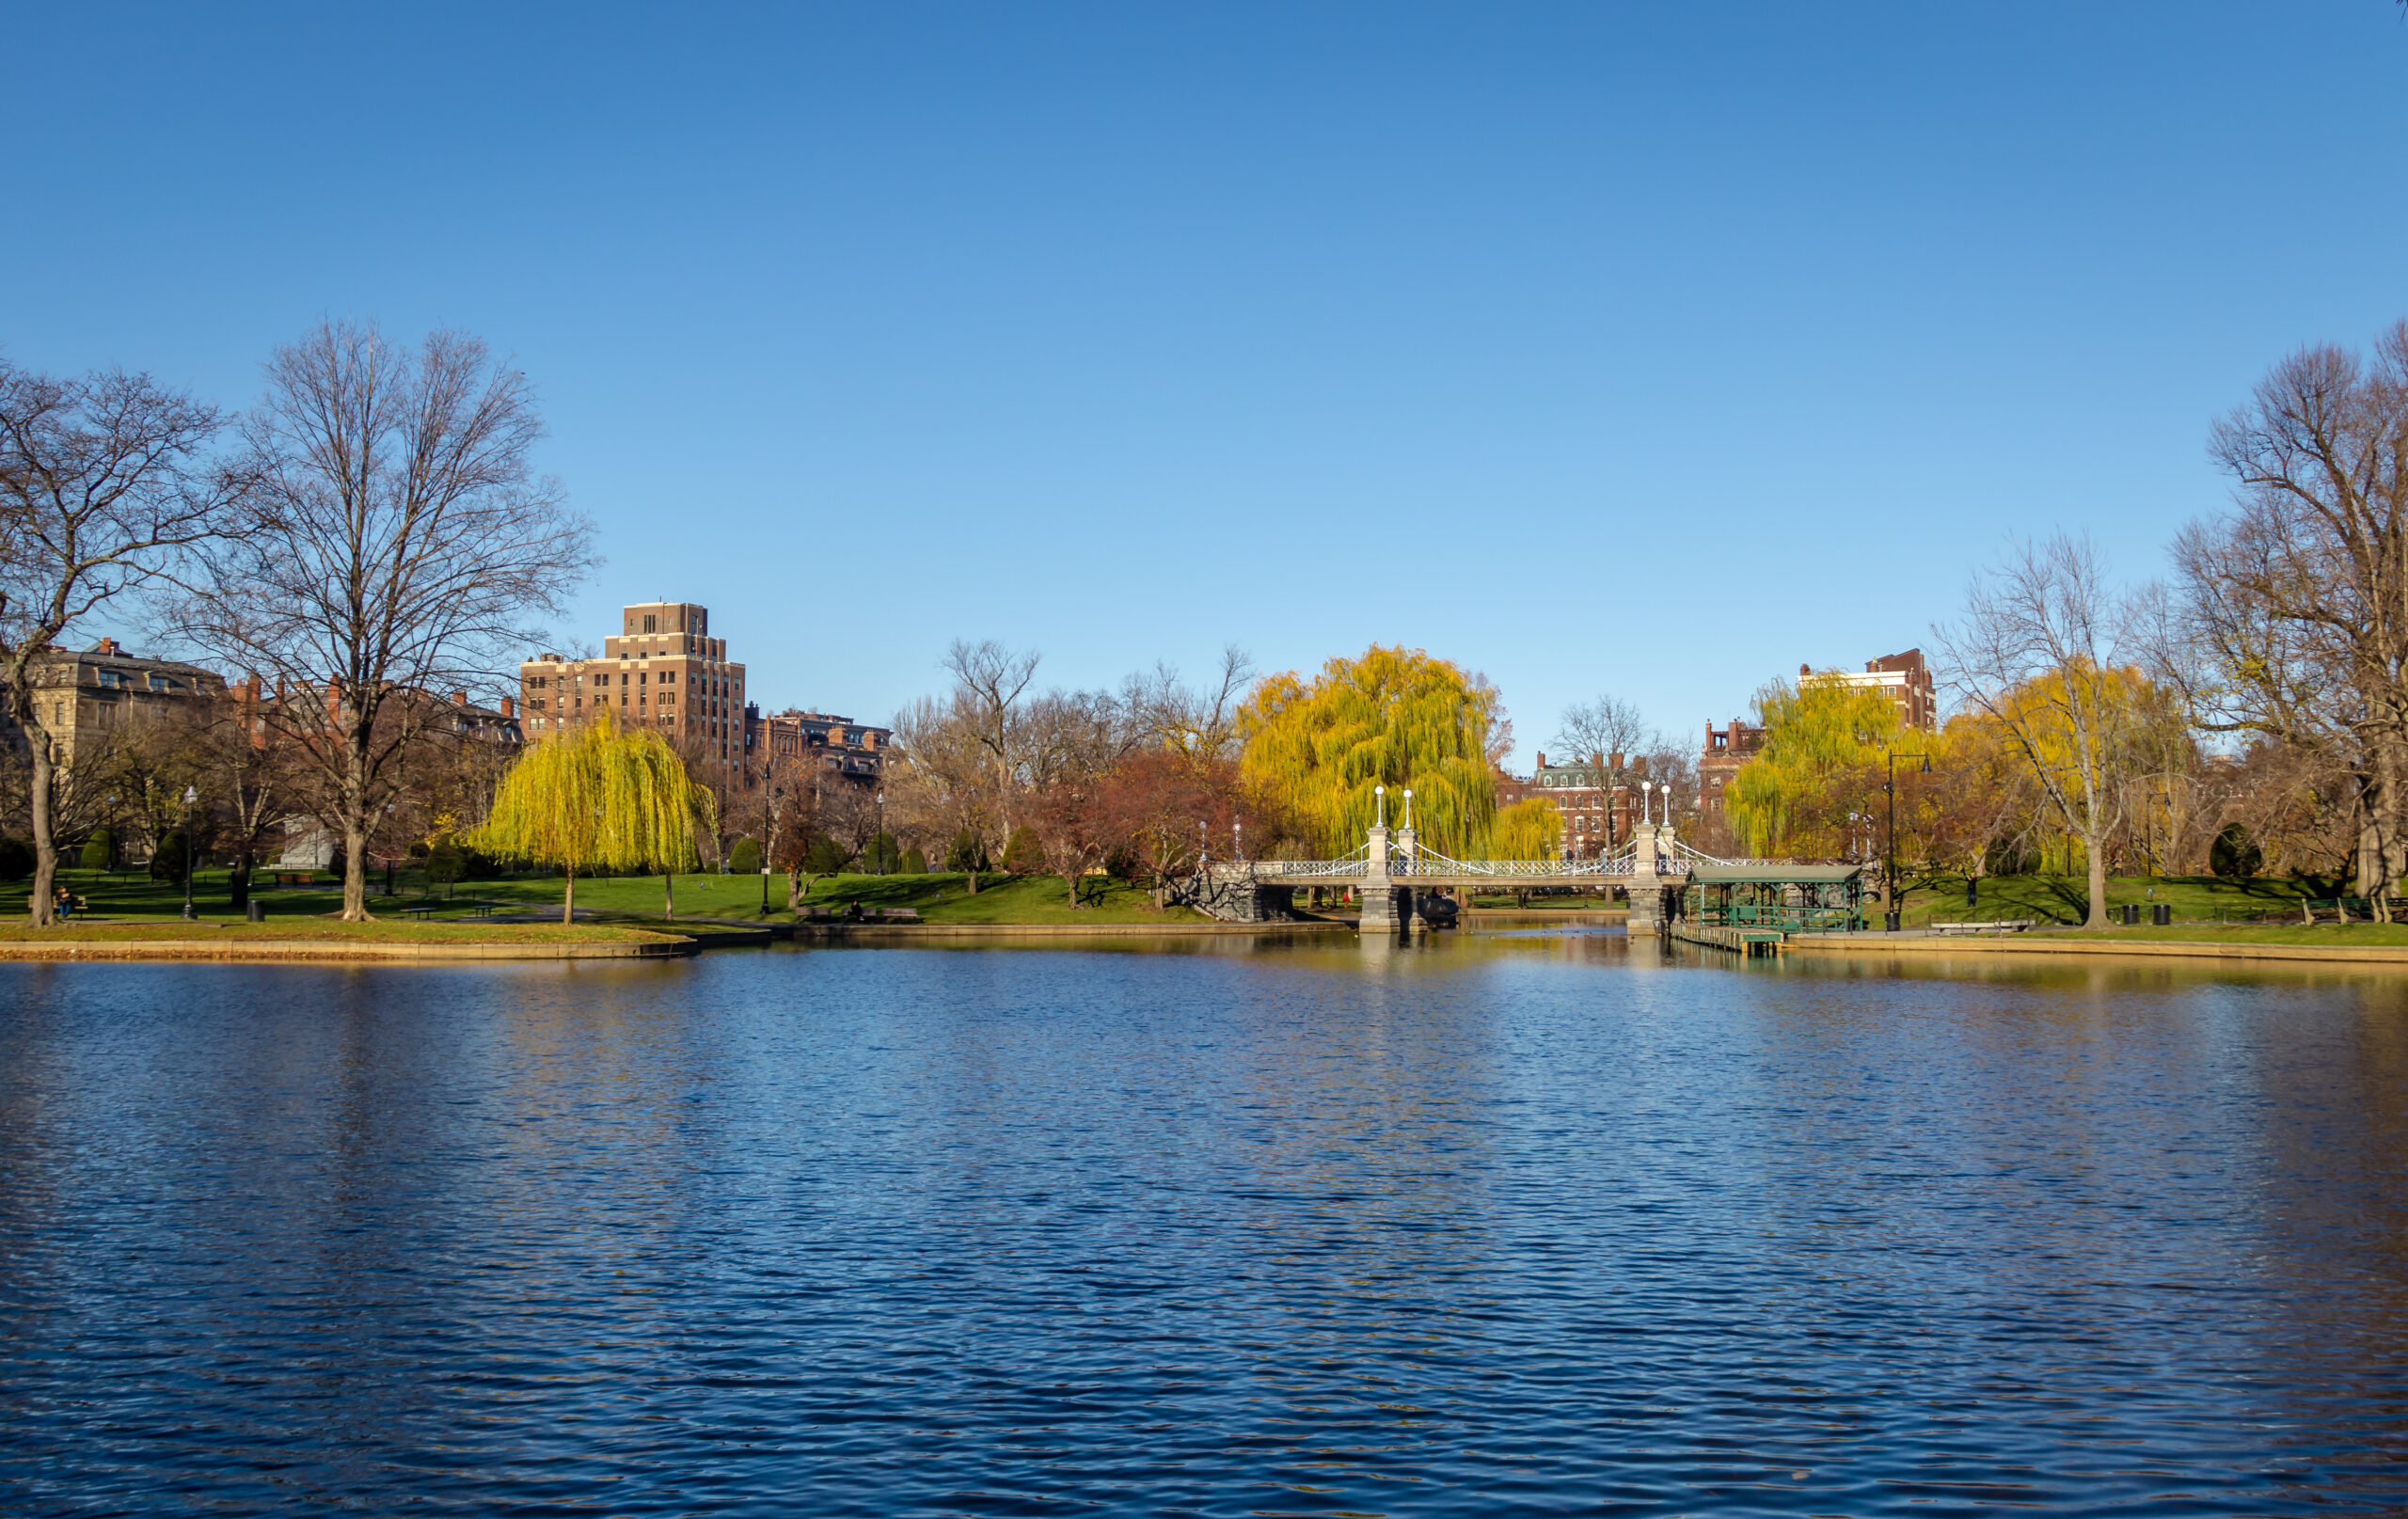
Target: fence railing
[1793, 919]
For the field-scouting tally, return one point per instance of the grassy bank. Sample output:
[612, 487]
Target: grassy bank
[2209, 900]
[328, 930]
[938, 898]
[2201, 903]
[128, 906]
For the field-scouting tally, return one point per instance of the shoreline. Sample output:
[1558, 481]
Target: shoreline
[1053, 930]
[331, 949]
[2390, 955]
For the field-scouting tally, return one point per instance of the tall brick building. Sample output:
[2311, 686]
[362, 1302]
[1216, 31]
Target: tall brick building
[663, 669]
[1902, 678]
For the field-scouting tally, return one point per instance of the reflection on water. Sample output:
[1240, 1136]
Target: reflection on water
[1537, 1221]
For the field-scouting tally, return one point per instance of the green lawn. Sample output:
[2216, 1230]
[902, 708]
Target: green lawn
[130, 904]
[133, 898]
[2196, 899]
[939, 898]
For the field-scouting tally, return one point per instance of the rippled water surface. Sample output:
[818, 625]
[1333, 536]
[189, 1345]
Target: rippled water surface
[1505, 1225]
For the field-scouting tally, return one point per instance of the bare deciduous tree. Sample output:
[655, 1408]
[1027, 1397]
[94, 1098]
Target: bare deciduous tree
[2291, 619]
[988, 682]
[105, 483]
[1197, 721]
[396, 545]
[1605, 727]
[2041, 652]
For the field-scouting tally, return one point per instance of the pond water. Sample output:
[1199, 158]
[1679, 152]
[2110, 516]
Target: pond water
[1505, 1224]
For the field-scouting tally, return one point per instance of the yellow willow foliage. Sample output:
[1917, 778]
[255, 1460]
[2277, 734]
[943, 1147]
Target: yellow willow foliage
[2136, 728]
[598, 798]
[1821, 741]
[1530, 829]
[1395, 717]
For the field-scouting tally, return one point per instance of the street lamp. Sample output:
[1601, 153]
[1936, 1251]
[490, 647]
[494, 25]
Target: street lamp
[885, 845]
[1890, 869]
[191, 796]
[1237, 836]
[776, 798]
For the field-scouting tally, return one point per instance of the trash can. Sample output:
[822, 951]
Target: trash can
[1890, 921]
[2162, 914]
[2131, 914]
[255, 910]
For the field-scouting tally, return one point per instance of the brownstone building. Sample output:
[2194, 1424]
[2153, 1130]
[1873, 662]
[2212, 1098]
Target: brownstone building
[851, 748]
[663, 669]
[103, 689]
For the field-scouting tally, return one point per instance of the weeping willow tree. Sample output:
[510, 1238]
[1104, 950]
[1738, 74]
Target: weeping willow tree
[1396, 718]
[599, 797]
[1824, 739]
[1530, 829]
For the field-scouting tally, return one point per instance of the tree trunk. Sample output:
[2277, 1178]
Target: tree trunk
[669, 895]
[1072, 876]
[2096, 849]
[974, 883]
[794, 892]
[355, 823]
[238, 884]
[568, 896]
[39, 906]
[355, 872]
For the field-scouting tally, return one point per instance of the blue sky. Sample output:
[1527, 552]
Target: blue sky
[1648, 350]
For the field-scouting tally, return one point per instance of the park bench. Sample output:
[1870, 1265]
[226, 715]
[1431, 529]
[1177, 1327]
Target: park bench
[296, 877]
[1995, 925]
[899, 914]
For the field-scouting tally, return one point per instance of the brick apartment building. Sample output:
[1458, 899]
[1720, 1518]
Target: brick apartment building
[1726, 749]
[1599, 798]
[1901, 677]
[663, 669]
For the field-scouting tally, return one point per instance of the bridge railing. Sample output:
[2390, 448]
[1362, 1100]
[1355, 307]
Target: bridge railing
[1508, 869]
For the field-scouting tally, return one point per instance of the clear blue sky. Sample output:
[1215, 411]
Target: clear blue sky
[1641, 349]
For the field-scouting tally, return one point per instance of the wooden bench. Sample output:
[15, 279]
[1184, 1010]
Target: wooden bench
[899, 914]
[296, 877]
[1996, 926]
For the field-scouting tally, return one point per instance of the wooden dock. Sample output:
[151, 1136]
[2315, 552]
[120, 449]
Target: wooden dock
[1738, 941]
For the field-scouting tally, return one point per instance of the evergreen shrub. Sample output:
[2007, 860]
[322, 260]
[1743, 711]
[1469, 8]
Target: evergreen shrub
[167, 860]
[2235, 853]
[1023, 855]
[744, 858]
